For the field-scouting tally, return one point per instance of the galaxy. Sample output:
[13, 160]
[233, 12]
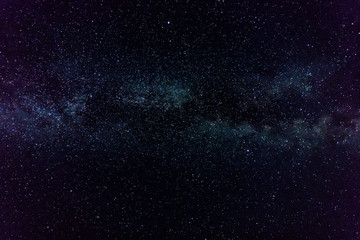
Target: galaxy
[179, 119]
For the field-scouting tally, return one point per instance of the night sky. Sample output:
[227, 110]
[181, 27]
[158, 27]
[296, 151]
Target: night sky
[179, 119]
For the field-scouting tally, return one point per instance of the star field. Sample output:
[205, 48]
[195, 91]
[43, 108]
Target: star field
[179, 119]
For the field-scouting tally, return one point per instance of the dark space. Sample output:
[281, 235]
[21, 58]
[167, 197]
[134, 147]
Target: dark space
[179, 119]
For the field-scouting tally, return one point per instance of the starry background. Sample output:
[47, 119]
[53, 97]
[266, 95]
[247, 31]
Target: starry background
[179, 119]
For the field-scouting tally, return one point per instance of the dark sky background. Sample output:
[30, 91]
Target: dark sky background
[179, 119]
